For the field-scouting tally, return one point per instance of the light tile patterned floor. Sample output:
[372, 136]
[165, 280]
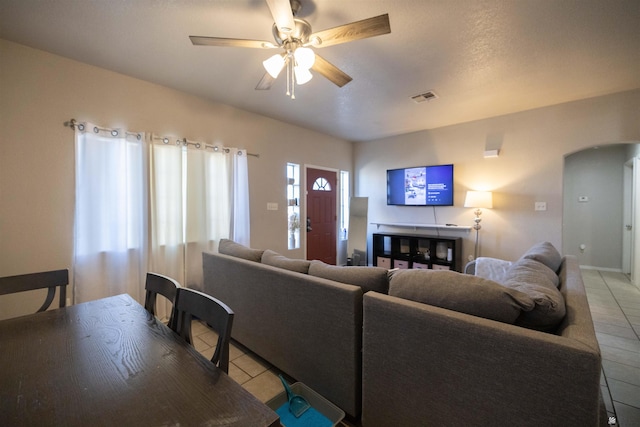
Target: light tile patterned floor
[252, 372]
[615, 308]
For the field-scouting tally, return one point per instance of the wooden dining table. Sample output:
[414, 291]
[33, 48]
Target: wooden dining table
[110, 363]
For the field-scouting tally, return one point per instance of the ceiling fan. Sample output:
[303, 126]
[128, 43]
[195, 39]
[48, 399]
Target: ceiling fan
[295, 37]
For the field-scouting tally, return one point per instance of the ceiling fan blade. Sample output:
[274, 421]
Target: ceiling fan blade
[220, 41]
[266, 82]
[282, 15]
[370, 27]
[330, 71]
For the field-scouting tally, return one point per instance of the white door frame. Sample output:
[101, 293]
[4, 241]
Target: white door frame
[627, 218]
[631, 224]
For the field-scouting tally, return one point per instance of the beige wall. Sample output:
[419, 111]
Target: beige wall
[532, 146]
[40, 91]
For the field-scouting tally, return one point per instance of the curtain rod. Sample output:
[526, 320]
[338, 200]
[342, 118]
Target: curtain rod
[184, 141]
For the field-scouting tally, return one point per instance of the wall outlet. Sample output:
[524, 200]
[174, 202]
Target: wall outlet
[541, 206]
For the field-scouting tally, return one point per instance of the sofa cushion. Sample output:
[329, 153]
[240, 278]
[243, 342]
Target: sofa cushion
[229, 247]
[545, 253]
[540, 283]
[460, 292]
[368, 278]
[274, 259]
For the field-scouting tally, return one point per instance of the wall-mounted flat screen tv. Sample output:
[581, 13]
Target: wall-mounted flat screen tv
[420, 186]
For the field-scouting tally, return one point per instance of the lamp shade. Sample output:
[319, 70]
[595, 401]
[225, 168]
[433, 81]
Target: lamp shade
[305, 57]
[479, 199]
[274, 65]
[302, 75]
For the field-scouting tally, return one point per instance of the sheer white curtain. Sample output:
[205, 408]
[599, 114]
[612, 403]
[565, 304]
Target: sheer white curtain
[150, 206]
[167, 211]
[111, 213]
[200, 195]
[240, 218]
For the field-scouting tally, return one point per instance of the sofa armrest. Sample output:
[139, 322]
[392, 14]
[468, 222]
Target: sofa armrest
[426, 363]
[470, 267]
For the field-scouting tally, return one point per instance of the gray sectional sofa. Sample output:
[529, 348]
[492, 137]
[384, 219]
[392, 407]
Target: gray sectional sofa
[421, 348]
[290, 314]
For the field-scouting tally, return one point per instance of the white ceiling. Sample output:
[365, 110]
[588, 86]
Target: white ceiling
[482, 58]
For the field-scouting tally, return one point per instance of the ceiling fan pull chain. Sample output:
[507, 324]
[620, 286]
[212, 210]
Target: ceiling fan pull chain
[293, 83]
[287, 64]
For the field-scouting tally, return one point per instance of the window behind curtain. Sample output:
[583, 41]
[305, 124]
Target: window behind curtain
[111, 213]
[147, 206]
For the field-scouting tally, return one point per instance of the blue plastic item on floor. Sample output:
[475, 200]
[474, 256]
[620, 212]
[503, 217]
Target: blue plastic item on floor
[322, 413]
[310, 418]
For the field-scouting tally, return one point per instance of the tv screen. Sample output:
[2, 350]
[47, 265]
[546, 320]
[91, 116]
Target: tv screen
[420, 186]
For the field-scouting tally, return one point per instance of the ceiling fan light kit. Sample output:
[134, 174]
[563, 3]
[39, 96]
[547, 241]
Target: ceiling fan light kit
[305, 57]
[294, 35]
[302, 75]
[274, 64]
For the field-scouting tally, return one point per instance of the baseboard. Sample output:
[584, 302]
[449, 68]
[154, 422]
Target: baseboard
[611, 270]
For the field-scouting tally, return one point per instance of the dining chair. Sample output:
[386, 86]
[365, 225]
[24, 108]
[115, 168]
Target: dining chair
[192, 304]
[41, 280]
[167, 287]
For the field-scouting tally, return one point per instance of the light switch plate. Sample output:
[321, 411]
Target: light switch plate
[541, 206]
[271, 206]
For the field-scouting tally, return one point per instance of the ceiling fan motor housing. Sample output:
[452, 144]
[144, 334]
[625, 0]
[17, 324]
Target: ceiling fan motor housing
[300, 34]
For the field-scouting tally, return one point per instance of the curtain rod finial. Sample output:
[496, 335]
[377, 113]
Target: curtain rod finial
[71, 123]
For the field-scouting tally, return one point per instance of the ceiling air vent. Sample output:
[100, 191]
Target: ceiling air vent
[423, 97]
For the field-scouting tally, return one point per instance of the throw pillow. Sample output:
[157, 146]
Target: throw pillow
[540, 283]
[545, 253]
[460, 292]
[274, 259]
[229, 247]
[368, 278]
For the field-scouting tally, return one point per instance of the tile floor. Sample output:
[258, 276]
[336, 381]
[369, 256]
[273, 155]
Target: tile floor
[253, 373]
[615, 307]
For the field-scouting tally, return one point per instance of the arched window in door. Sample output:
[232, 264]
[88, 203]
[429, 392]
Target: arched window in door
[321, 184]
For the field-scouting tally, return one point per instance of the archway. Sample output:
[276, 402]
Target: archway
[597, 208]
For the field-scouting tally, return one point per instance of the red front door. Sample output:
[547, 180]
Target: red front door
[322, 219]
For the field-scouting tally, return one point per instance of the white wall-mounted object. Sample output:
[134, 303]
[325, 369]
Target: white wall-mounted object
[540, 206]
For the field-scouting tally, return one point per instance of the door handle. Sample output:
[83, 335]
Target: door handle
[309, 224]
[628, 227]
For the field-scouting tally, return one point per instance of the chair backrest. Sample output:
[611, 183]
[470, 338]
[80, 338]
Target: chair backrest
[41, 280]
[192, 304]
[166, 286]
